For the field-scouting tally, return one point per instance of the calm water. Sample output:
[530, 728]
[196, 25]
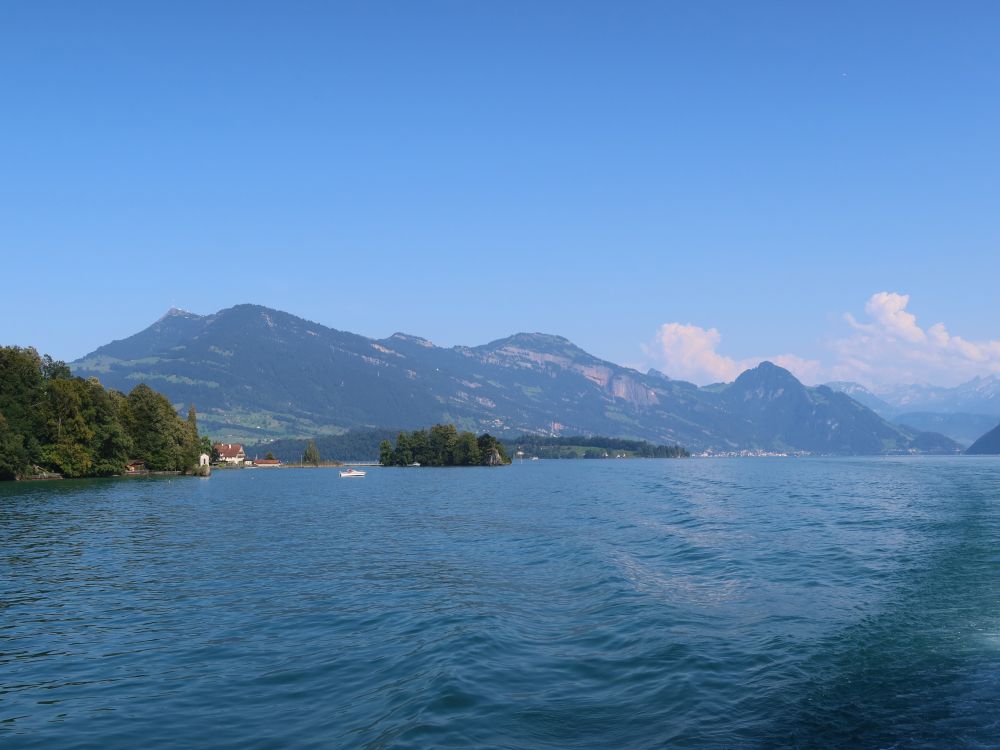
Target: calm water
[698, 603]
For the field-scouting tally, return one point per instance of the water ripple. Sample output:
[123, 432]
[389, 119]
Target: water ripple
[726, 603]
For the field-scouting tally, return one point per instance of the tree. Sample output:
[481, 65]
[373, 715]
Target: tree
[58, 422]
[69, 431]
[110, 446]
[53, 369]
[385, 453]
[403, 455]
[192, 445]
[159, 437]
[269, 456]
[466, 450]
[311, 454]
[442, 444]
[22, 393]
[419, 449]
[491, 451]
[13, 456]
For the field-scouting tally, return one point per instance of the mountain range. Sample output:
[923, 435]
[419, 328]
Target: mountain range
[963, 412]
[981, 395]
[257, 373]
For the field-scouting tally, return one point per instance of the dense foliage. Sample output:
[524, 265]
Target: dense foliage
[443, 445]
[311, 454]
[353, 445]
[51, 421]
[592, 447]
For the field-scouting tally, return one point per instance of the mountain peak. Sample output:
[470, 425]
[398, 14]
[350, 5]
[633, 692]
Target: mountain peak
[419, 341]
[535, 341]
[768, 372]
[177, 312]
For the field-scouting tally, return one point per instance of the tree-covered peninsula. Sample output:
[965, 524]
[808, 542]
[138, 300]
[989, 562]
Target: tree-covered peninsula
[443, 445]
[53, 422]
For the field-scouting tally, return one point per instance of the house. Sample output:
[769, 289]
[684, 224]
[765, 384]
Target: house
[135, 467]
[266, 462]
[230, 453]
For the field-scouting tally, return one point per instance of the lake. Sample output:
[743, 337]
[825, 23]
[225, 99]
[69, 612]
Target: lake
[612, 604]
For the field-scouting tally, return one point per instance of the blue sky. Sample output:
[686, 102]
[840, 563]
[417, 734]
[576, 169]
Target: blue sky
[465, 170]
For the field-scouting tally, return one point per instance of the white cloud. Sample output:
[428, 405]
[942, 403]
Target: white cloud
[887, 347]
[688, 352]
[891, 347]
[888, 311]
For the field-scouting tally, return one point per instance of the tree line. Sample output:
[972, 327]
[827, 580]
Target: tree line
[51, 421]
[443, 445]
[360, 444]
[593, 446]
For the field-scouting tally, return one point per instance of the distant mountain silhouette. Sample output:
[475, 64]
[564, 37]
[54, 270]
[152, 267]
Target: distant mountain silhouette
[962, 428]
[987, 445]
[256, 373]
[962, 413]
[980, 395]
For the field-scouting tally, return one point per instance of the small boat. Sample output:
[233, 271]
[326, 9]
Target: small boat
[352, 473]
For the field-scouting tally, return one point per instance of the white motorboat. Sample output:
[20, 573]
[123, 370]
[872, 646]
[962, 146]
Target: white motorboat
[352, 473]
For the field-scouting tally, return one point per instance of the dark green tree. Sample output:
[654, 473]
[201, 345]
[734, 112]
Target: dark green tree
[403, 455]
[58, 422]
[69, 430]
[491, 451]
[442, 444]
[311, 454]
[385, 453]
[419, 449]
[159, 437]
[110, 445]
[13, 456]
[22, 396]
[466, 450]
[192, 443]
[55, 370]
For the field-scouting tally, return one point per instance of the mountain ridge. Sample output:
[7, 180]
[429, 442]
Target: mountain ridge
[986, 445]
[255, 372]
[980, 395]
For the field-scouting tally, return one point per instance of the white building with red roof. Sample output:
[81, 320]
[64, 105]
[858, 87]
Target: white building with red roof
[230, 453]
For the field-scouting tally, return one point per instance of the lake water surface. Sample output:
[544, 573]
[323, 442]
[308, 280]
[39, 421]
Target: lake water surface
[574, 604]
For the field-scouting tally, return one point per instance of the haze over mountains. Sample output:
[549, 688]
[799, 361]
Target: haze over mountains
[963, 413]
[255, 372]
